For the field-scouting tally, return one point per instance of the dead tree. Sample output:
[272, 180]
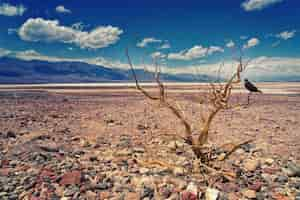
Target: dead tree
[217, 98]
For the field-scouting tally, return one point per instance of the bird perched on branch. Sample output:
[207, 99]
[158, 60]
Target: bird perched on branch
[251, 87]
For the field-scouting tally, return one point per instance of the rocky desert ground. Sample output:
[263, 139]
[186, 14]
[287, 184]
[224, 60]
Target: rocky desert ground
[91, 143]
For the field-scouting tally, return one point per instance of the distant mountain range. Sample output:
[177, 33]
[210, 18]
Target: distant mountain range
[16, 71]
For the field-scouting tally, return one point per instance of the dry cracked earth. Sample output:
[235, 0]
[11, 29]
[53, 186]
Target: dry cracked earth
[108, 146]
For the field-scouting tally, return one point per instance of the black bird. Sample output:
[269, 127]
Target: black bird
[251, 87]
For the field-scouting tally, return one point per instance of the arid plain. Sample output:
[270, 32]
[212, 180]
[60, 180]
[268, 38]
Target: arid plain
[87, 142]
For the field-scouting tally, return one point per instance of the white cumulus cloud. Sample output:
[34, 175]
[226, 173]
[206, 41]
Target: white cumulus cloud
[195, 52]
[285, 35]
[41, 30]
[7, 9]
[251, 5]
[147, 41]
[251, 43]
[62, 9]
[4, 52]
[157, 55]
[230, 44]
[31, 55]
[165, 46]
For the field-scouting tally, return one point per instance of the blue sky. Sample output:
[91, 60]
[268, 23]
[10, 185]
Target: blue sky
[181, 34]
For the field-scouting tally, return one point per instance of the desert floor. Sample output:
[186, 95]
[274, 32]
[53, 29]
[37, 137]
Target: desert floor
[98, 143]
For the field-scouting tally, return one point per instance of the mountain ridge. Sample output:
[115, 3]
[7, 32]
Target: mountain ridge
[17, 71]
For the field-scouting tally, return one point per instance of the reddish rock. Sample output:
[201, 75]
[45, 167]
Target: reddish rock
[132, 196]
[4, 163]
[278, 196]
[256, 186]
[269, 170]
[188, 196]
[5, 171]
[104, 195]
[71, 178]
[34, 198]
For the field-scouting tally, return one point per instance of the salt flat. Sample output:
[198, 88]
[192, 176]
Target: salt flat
[267, 88]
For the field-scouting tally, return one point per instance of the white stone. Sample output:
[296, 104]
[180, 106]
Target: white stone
[178, 171]
[211, 194]
[269, 161]
[175, 144]
[250, 194]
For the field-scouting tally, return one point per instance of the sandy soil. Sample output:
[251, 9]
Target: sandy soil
[273, 119]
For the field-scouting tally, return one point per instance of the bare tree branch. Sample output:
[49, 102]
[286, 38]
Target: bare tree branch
[161, 98]
[218, 98]
[136, 80]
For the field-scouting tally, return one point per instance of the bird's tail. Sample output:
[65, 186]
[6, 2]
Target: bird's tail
[260, 91]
